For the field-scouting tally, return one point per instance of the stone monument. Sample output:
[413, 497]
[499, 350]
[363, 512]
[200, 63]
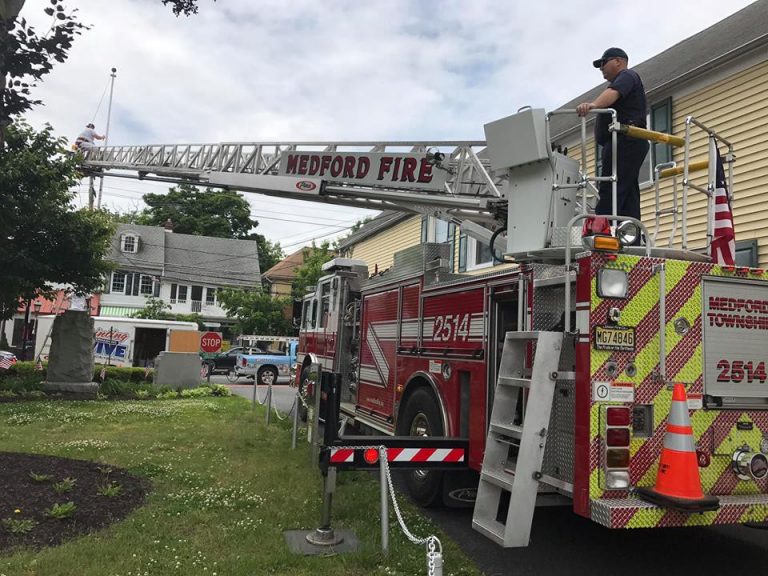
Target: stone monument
[70, 363]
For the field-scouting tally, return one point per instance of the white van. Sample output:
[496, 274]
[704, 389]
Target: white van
[119, 341]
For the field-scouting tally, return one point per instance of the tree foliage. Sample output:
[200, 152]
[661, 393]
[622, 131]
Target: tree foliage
[43, 239]
[186, 7]
[156, 309]
[257, 312]
[310, 271]
[26, 55]
[217, 213]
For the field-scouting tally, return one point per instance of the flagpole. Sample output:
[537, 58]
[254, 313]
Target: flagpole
[106, 133]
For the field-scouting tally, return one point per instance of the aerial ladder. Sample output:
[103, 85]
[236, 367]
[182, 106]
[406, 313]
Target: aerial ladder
[450, 180]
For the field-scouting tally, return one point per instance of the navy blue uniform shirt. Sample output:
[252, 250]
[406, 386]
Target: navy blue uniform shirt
[630, 107]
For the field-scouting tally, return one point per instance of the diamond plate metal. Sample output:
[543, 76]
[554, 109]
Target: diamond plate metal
[414, 261]
[559, 452]
[635, 513]
[560, 235]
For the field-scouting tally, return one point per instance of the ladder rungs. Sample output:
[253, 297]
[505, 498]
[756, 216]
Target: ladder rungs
[512, 381]
[494, 531]
[501, 479]
[507, 429]
[523, 335]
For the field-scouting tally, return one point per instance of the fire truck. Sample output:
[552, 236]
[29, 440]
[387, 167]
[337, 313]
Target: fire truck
[559, 368]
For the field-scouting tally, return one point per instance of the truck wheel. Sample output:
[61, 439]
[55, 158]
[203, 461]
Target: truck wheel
[232, 376]
[421, 417]
[267, 375]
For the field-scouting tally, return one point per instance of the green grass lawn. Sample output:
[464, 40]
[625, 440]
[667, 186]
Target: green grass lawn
[225, 487]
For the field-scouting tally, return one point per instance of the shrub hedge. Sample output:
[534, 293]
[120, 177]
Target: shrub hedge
[22, 380]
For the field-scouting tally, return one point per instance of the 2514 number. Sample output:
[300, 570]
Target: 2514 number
[739, 371]
[451, 327]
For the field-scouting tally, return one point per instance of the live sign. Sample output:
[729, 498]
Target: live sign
[210, 342]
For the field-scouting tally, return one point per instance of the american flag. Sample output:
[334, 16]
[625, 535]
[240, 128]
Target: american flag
[146, 371]
[103, 373]
[39, 366]
[5, 363]
[724, 237]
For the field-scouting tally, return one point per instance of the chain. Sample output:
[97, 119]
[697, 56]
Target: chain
[256, 393]
[277, 412]
[434, 547]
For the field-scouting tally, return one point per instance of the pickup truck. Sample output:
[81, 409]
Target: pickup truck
[271, 366]
[224, 362]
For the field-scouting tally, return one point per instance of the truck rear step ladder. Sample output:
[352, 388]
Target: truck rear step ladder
[519, 476]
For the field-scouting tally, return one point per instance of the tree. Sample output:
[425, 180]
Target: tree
[218, 213]
[257, 312]
[43, 240]
[359, 224]
[26, 56]
[186, 7]
[310, 271]
[156, 309]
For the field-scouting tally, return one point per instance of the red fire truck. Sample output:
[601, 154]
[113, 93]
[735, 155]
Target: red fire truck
[559, 369]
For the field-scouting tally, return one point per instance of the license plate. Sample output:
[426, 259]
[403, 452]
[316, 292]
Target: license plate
[614, 338]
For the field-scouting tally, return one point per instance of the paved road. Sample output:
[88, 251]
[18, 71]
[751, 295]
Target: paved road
[282, 394]
[564, 543]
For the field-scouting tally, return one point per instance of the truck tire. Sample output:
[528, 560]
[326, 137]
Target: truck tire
[421, 417]
[267, 375]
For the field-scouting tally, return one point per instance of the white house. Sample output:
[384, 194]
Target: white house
[183, 270]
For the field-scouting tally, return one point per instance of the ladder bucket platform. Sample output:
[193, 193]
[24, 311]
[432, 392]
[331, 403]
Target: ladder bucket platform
[523, 428]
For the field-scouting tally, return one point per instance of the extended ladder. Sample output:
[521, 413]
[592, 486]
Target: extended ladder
[462, 188]
[501, 472]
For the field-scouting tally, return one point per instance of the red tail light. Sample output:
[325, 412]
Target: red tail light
[617, 416]
[617, 437]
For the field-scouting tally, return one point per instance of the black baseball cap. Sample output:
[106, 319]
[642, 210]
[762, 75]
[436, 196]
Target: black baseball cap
[608, 54]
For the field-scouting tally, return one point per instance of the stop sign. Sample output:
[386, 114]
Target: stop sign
[210, 342]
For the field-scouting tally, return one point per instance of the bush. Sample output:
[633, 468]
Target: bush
[21, 379]
[22, 376]
[114, 388]
[198, 392]
[126, 374]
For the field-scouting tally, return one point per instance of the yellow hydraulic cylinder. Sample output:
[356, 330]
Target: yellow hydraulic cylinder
[652, 135]
[692, 167]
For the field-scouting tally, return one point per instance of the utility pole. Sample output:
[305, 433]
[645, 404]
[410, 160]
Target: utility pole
[106, 133]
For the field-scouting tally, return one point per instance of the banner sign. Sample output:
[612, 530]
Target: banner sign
[392, 170]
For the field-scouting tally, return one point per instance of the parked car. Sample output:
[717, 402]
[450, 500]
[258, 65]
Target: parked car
[7, 358]
[224, 362]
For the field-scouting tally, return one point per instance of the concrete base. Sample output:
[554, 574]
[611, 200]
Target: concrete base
[80, 389]
[298, 542]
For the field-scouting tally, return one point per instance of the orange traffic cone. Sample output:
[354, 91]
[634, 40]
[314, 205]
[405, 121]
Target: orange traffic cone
[678, 485]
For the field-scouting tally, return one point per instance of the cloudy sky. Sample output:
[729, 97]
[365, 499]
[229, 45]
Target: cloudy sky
[257, 70]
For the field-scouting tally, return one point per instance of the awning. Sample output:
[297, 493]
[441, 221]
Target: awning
[117, 311]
